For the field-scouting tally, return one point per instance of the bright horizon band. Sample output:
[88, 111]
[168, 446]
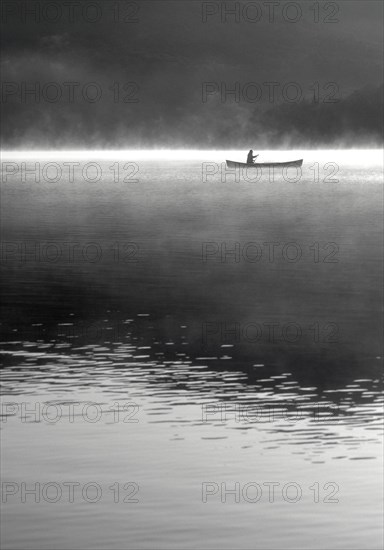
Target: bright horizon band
[365, 156]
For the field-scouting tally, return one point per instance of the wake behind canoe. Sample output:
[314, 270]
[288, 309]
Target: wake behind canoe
[233, 164]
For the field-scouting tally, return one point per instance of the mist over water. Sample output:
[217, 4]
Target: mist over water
[176, 285]
[192, 354]
[170, 73]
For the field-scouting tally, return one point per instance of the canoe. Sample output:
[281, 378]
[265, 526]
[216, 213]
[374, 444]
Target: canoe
[233, 164]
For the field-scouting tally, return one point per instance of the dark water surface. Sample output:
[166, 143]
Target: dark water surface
[255, 358]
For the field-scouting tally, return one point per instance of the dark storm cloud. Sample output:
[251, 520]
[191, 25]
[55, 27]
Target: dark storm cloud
[168, 55]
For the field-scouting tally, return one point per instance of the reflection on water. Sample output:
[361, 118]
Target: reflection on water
[235, 370]
[222, 394]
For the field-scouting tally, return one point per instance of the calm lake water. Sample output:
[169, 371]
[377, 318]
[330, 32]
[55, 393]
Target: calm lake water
[198, 353]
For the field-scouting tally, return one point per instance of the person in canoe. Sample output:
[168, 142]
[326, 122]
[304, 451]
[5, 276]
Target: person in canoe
[250, 157]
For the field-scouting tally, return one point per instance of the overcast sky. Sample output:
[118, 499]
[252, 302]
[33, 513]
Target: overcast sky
[167, 52]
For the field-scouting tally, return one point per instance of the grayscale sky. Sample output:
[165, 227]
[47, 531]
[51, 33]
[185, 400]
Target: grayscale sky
[165, 58]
